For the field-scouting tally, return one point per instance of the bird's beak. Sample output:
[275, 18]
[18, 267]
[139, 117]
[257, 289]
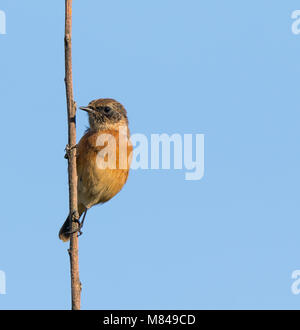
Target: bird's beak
[87, 109]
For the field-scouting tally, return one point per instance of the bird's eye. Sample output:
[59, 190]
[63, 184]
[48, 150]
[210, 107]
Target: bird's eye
[106, 109]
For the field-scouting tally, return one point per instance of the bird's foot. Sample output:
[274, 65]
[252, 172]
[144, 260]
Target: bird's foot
[79, 226]
[68, 150]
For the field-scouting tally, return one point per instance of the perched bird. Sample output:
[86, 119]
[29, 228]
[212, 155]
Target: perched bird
[103, 157]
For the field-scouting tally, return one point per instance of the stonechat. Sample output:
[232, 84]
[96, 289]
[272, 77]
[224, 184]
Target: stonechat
[103, 157]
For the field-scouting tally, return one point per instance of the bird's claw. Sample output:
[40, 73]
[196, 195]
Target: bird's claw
[68, 150]
[80, 224]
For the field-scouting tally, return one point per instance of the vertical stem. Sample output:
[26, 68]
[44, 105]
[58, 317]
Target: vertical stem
[71, 106]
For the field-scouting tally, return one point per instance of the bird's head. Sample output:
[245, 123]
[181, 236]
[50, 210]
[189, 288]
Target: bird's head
[105, 113]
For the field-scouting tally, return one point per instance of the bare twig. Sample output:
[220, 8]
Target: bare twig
[73, 251]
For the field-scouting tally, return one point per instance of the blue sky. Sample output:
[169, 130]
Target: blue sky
[229, 70]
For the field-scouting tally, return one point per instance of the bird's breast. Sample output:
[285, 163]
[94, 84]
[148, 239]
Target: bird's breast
[103, 162]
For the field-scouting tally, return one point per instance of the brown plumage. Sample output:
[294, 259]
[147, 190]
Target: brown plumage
[97, 184]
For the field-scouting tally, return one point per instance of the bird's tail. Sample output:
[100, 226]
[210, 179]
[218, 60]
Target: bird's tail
[64, 233]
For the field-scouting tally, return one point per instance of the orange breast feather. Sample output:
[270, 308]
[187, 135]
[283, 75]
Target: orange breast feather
[95, 183]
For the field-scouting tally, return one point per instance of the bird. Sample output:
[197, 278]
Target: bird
[103, 157]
